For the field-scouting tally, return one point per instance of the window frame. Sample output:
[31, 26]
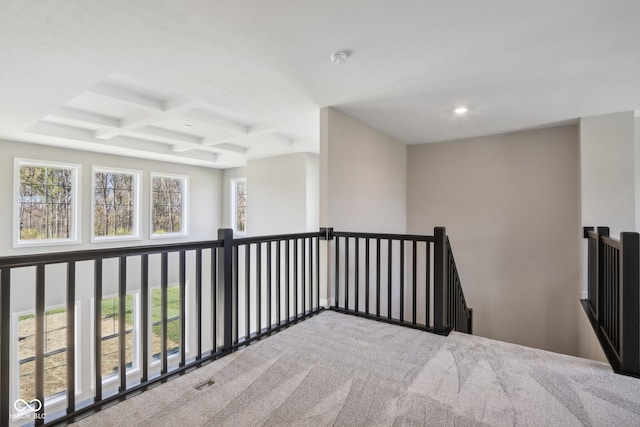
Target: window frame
[136, 204]
[112, 378]
[155, 360]
[56, 399]
[74, 238]
[234, 205]
[185, 204]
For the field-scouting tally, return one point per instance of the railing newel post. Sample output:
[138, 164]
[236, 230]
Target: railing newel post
[600, 260]
[629, 301]
[440, 280]
[5, 347]
[225, 269]
[327, 233]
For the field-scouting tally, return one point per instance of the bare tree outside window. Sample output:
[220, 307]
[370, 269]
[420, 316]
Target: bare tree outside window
[168, 197]
[241, 205]
[46, 202]
[115, 204]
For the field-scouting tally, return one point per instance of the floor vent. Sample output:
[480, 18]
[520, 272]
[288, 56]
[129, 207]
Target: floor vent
[205, 384]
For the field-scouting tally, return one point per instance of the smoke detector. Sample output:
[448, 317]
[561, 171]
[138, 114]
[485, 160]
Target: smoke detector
[340, 57]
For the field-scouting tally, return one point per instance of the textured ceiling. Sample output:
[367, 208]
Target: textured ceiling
[249, 76]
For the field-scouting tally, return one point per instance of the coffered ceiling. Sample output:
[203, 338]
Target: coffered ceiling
[120, 113]
[215, 83]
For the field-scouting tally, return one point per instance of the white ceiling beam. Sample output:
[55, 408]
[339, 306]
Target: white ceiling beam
[74, 117]
[167, 136]
[148, 148]
[285, 140]
[140, 119]
[219, 122]
[184, 147]
[261, 129]
[231, 147]
[252, 131]
[179, 104]
[137, 99]
[136, 120]
[124, 141]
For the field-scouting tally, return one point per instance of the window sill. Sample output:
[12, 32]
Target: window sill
[169, 235]
[111, 239]
[44, 243]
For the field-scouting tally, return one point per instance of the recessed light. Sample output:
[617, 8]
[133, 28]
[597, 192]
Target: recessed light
[461, 110]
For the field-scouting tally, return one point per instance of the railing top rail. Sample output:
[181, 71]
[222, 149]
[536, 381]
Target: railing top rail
[86, 255]
[276, 237]
[591, 234]
[385, 236]
[610, 241]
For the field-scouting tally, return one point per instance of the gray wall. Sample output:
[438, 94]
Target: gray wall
[511, 205]
[363, 181]
[363, 176]
[610, 184]
[607, 157]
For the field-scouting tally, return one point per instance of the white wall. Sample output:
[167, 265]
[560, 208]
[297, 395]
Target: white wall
[313, 192]
[511, 207]
[281, 191]
[362, 176]
[203, 202]
[204, 195]
[607, 155]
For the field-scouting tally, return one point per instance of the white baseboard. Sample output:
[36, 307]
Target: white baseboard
[326, 303]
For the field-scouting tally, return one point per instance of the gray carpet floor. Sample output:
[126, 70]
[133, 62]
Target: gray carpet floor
[341, 370]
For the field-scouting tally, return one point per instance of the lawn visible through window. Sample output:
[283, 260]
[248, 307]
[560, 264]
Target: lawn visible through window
[173, 321]
[110, 334]
[55, 353]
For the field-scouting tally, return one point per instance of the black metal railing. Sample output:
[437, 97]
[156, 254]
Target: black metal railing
[199, 301]
[459, 316]
[613, 299]
[409, 280]
[282, 272]
[278, 284]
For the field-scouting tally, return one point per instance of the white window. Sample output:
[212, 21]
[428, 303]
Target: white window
[239, 205]
[115, 204]
[46, 203]
[173, 322]
[55, 355]
[169, 200]
[111, 336]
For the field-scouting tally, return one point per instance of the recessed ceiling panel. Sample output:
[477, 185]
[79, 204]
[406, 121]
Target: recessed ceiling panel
[100, 104]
